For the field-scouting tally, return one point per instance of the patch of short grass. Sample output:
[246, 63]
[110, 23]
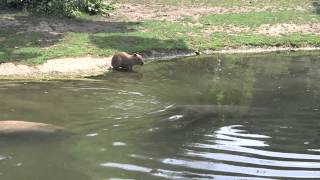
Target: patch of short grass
[37, 47]
[222, 40]
[82, 44]
[194, 39]
[254, 19]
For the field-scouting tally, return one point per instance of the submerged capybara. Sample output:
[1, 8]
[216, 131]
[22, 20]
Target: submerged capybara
[13, 127]
[125, 61]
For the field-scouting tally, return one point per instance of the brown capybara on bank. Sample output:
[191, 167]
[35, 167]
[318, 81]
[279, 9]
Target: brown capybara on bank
[125, 61]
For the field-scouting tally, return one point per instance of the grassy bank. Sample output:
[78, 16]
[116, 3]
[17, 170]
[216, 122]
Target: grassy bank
[31, 39]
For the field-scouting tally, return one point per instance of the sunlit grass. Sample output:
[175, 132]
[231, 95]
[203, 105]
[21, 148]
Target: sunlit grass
[254, 19]
[185, 33]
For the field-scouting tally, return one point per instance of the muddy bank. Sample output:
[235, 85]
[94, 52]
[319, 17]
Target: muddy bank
[62, 68]
[80, 67]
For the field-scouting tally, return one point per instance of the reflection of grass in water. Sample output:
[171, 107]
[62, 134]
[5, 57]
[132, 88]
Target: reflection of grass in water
[205, 80]
[79, 108]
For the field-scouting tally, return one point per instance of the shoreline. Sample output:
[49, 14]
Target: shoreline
[73, 68]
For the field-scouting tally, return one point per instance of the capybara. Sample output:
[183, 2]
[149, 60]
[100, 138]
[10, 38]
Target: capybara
[8, 127]
[125, 61]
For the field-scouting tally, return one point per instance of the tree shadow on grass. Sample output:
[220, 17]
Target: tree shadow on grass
[131, 43]
[17, 46]
[38, 23]
[20, 32]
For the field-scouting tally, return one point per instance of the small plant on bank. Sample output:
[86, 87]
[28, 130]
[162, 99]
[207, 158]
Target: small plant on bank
[94, 7]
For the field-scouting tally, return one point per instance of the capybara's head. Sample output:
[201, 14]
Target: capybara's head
[138, 59]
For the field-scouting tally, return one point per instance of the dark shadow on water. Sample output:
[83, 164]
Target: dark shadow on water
[34, 138]
[134, 43]
[41, 157]
[120, 77]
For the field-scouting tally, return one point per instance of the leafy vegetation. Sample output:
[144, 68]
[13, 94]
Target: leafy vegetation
[69, 8]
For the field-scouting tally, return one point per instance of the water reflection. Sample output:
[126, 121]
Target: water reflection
[221, 167]
[237, 121]
[128, 167]
[216, 117]
[250, 160]
[210, 160]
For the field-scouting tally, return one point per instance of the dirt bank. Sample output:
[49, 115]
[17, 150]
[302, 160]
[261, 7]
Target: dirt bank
[57, 68]
[80, 67]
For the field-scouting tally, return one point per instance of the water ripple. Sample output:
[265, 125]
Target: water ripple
[203, 156]
[162, 110]
[221, 167]
[129, 93]
[238, 159]
[252, 160]
[232, 131]
[170, 174]
[240, 144]
[119, 144]
[128, 167]
[233, 141]
[258, 152]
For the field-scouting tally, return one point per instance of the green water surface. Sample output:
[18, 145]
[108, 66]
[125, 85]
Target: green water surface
[214, 117]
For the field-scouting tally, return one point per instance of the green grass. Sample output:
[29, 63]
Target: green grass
[19, 45]
[254, 19]
[220, 40]
[28, 49]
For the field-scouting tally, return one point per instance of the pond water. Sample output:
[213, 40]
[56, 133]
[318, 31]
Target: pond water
[215, 117]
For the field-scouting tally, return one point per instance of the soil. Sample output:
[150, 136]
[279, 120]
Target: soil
[140, 12]
[66, 68]
[278, 29]
[57, 68]
[266, 29]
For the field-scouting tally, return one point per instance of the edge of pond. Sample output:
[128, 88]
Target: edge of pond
[82, 68]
